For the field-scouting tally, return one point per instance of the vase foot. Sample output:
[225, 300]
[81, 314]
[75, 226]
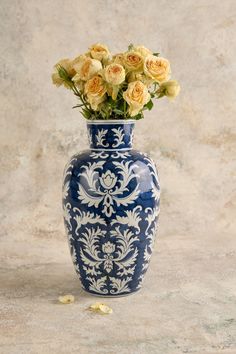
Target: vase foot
[110, 295]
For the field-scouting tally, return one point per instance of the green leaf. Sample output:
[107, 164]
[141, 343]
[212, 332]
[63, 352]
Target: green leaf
[111, 101]
[65, 76]
[138, 116]
[156, 54]
[149, 105]
[63, 73]
[78, 105]
[118, 111]
[86, 113]
[130, 47]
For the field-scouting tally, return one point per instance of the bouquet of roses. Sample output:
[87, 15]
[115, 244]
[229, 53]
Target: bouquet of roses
[117, 86]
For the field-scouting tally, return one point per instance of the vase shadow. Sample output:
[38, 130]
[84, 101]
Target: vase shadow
[42, 280]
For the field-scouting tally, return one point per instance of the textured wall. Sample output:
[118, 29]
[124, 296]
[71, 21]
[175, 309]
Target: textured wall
[192, 140]
[188, 302]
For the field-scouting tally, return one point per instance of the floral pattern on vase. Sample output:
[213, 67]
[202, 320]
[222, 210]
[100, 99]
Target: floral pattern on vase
[111, 203]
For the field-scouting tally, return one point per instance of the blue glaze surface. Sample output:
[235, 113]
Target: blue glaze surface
[111, 205]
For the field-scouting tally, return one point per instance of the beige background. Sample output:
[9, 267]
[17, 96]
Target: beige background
[188, 303]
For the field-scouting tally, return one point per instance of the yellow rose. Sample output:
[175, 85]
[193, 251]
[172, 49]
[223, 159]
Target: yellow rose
[169, 88]
[133, 61]
[118, 58]
[86, 68]
[157, 68]
[95, 90]
[99, 51]
[137, 76]
[79, 59]
[136, 96]
[142, 50]
[114, 74]
[67, 64]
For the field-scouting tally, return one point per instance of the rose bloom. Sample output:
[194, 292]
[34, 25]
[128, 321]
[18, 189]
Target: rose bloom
[136, 96]
[67, 64]
[118, 58]
[114, 74]
[142, 50]
[95, 90]
[137, 76]
[99, 51]
[133, 61]
[170, 88]
[86, 68]
[157, 68]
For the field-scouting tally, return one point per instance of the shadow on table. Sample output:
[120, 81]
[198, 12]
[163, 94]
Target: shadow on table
[42, 280]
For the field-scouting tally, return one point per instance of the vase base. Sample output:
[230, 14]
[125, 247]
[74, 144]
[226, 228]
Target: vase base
[111, 296]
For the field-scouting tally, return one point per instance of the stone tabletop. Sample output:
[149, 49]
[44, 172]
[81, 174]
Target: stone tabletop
[187, 303]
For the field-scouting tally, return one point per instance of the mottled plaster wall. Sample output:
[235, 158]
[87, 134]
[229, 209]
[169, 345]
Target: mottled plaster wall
[192, 140]
[188, 302]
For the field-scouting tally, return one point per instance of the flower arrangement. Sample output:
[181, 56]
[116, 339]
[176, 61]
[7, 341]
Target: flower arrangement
[120, 86]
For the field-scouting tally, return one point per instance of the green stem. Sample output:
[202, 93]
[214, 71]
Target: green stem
[125, 108]
[78, 94]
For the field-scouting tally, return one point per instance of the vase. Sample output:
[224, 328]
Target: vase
[111, 198]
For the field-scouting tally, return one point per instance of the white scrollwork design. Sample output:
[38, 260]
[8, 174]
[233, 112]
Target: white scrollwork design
[99, 155]
[109, 188]
[100, 138]
[152, 217]
[104, 240]
[119, 286]
[120, 251]
[72, 250]
[119, 135]
[90, 253]
[117, 155]
[131, 138]
[69, 166]
[90, 138]
[99, 286]
[83, 218]
[155, 192]
[65, 189]
[67, 216]
[126, 252]
[132, 218]
[152, 166]
[104, 155]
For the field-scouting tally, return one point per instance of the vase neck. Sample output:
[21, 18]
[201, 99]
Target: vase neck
[110, 135]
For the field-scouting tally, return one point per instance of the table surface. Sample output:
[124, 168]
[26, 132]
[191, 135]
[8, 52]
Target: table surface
[187, 303]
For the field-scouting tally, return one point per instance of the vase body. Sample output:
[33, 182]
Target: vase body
[111, 205]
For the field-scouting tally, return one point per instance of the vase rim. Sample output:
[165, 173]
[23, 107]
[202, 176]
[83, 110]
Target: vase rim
[111, 121]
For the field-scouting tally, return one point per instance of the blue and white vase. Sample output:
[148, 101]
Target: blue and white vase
[111, 204]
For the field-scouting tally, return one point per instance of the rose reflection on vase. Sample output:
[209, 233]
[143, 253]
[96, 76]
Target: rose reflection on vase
[111, 204]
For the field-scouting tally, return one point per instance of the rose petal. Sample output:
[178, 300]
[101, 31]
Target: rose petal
[66, 299]
[105, 309]
[101, 308]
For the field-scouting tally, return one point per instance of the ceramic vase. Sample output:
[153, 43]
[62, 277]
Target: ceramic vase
[111, 198]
